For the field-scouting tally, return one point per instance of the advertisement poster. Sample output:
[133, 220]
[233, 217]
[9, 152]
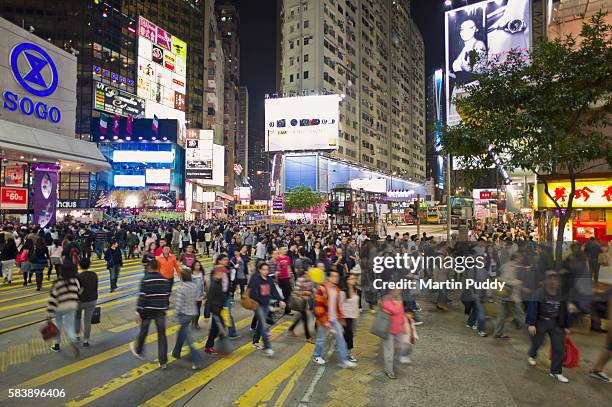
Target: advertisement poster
[14, 176]
[115, 101]
[44, 197]
[302, 123]
[491, 28]
[14, 198]
[151, 199]
[199, 154]
[161, 56]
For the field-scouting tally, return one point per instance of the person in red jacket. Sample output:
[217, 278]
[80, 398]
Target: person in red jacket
[330, 319]
[284, 276]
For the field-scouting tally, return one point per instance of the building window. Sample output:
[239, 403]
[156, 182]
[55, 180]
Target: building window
[291, 78]
[291, 28]
[305, 74]
[306, 40]
[290, 44]
[305, 57]
[306, 24]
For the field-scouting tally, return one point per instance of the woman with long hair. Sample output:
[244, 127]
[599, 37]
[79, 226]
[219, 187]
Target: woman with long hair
[198, 278]
[63, 303]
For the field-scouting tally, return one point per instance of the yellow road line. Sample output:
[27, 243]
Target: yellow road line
[280, 401]
[135, 374]
[265, 389]
[85, 363]
[180, 390]
[44, 300]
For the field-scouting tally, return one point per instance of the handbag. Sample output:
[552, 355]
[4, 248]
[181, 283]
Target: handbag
[22, 256]
[48, 330]
[297, 303]
[380, 326]
[95, 317]
[602, 259]
[248, 303]
[571, 354]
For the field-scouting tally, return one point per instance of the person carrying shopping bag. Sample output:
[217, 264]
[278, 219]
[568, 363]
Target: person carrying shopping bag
[62, 305]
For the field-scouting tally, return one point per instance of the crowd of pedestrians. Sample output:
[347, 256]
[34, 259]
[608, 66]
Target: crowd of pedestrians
[319, 276]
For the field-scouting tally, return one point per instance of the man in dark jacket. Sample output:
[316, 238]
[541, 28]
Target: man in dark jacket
[88, 296]
[547, 314]
[152, 305]
[114, 262]
[262, 289]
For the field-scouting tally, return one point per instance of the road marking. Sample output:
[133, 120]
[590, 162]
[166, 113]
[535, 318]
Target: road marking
[136, 373]
[265, 389]
[85, 363]
[182, 389]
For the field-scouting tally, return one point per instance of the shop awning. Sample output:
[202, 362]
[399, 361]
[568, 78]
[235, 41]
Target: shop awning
[45, 145]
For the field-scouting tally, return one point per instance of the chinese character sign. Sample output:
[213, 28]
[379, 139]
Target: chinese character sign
[589, 194]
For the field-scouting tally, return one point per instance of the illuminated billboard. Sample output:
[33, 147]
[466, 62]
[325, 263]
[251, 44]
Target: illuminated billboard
[162, 70]
[204, 160]
[492, 28]
[307, 123]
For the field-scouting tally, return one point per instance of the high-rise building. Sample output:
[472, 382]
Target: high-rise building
[104, 37]
[228, 20]
[373, 53]
[259, 168]
[242, 134]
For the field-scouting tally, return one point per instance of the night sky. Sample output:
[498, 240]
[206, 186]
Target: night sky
[258, 20]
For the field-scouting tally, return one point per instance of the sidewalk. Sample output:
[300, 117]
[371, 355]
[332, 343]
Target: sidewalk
[453, 367]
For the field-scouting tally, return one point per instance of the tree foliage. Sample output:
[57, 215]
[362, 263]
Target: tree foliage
[545, 112]
[302, 199]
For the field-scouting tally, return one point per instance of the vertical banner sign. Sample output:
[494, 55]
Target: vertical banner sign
[278, 204]
[45, 197]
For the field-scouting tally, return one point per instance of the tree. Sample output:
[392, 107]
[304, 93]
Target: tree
[301, 199]
[543, 112]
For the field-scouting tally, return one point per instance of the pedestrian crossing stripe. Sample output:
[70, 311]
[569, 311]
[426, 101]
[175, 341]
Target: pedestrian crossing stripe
[195, 381]
[264, 390]
[136, 373]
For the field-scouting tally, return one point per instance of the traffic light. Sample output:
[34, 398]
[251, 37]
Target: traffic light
[328, 208]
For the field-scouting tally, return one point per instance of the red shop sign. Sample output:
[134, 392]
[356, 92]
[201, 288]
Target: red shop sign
[14, 198]
[485, 194]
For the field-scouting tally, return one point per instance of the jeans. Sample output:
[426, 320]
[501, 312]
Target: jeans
[557, 342]
[114, 276]
[261, 331]
[393, 341]
[508, 308]
[99, 248]
[232, 328]
[184, 336]
[7, 269]
[162, 343]
[86, 308]
[322, 331]
[65, 319]
[477, 316]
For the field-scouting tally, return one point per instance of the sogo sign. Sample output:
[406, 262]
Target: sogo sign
[33, 68]
[13, 198]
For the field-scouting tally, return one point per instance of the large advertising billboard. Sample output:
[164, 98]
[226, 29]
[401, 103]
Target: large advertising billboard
[162, 69]
[492, 28]
[113, 100]
[307, 123]
[44, 197]
[141, 199]
[204, 160]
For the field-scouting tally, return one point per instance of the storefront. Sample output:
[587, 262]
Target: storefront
[592, 214]
[37, 126]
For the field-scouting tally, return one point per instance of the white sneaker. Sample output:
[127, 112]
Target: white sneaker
[560, 377]
[531, 361]
[405, 360]
[319, 360]
[269, 352]
[348, 365]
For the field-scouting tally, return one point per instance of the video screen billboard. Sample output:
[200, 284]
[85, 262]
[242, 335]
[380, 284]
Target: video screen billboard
[492, 28]
[113, 100]
[162, 66]
[302, 123]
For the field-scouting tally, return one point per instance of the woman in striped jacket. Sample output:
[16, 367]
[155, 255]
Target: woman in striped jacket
[63, 303]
